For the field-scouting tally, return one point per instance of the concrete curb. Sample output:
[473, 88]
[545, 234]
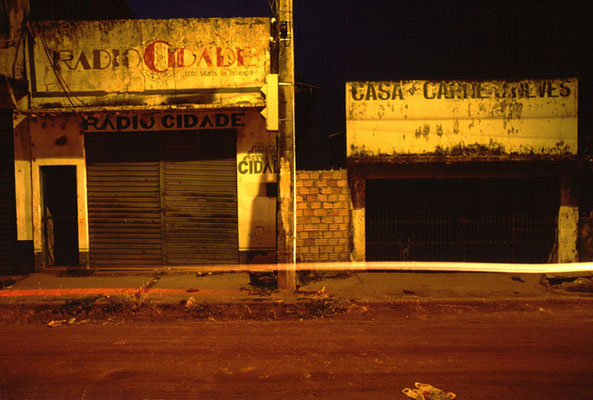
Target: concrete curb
[116, 309]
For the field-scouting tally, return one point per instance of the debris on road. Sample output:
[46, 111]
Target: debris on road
[6, 282]
[425, 391]
[571, 283]
[322, 293]
[72, 321]
[581, 284]
[189, 303]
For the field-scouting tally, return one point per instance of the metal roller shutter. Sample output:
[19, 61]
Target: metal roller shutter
[200, 198]
[7, 204]
[164, 198]
[124, 203]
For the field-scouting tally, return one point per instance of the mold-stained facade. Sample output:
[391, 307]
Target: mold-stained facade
[463, 170]
[145, 145]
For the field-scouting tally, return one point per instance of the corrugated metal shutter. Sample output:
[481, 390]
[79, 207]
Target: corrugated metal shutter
[123, 201]
[164, 198]
[200, 213]
[200, 198]
[7, 204]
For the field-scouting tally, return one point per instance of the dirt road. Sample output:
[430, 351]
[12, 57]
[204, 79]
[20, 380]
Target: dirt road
[528, 355]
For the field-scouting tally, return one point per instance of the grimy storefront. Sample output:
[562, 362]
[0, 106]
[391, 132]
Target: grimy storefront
[146, 145]
[463, 170]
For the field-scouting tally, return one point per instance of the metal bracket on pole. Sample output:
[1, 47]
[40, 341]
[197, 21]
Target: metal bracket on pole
[270, 112]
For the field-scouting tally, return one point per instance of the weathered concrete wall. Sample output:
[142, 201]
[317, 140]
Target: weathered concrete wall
[13, 83]
[54, 140]
[256, 181]
[568, 222]
[467, 120]
[22, 172]
[358, 201]
[12, 46]
[150, 62]
[323, 223]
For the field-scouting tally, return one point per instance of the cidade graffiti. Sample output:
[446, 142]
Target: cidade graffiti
[261, 159]
[160, 56]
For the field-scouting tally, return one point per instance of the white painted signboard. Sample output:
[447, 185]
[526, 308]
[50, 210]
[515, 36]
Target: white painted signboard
[461, 118]
[117, 62]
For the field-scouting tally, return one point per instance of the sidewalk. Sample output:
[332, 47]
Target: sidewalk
[172, 287]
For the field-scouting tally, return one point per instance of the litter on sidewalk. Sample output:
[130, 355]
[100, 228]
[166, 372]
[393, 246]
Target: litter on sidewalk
[425, 391]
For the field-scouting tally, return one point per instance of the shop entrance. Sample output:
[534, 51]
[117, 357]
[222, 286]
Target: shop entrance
[474, 220]
[162, 198]
[60, 216]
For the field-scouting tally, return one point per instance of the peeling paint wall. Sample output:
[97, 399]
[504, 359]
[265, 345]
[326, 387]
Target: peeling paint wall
[464, 119]
[149, 62]
[12, 44]
[22, 172]
[256, 185]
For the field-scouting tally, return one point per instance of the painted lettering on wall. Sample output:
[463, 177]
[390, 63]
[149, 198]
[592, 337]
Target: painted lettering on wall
[261, 159]
[165, 121]
[376, 91]
[136, 60]
[159, 57]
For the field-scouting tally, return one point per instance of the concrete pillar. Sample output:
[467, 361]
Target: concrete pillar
[568, 222]
[357, 197]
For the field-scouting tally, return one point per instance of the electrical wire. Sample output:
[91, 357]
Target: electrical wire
[14, 62]
[272, 4]
[65, 88]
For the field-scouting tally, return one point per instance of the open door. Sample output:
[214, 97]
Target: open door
[60, 216]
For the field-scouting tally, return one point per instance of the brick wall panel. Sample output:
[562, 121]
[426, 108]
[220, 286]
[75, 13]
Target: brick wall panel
[323, 216]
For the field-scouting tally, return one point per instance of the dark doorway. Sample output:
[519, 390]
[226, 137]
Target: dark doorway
[60, 216]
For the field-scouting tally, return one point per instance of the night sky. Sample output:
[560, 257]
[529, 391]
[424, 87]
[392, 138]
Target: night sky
[342, 40]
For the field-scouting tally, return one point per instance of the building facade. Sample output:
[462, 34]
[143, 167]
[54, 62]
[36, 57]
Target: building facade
[463, 170]
[144, 143]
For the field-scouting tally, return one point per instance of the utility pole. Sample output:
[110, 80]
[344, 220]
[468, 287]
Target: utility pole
[286, 212]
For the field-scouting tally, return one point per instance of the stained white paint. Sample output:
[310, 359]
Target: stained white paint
[149, 62]
[530, 117]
